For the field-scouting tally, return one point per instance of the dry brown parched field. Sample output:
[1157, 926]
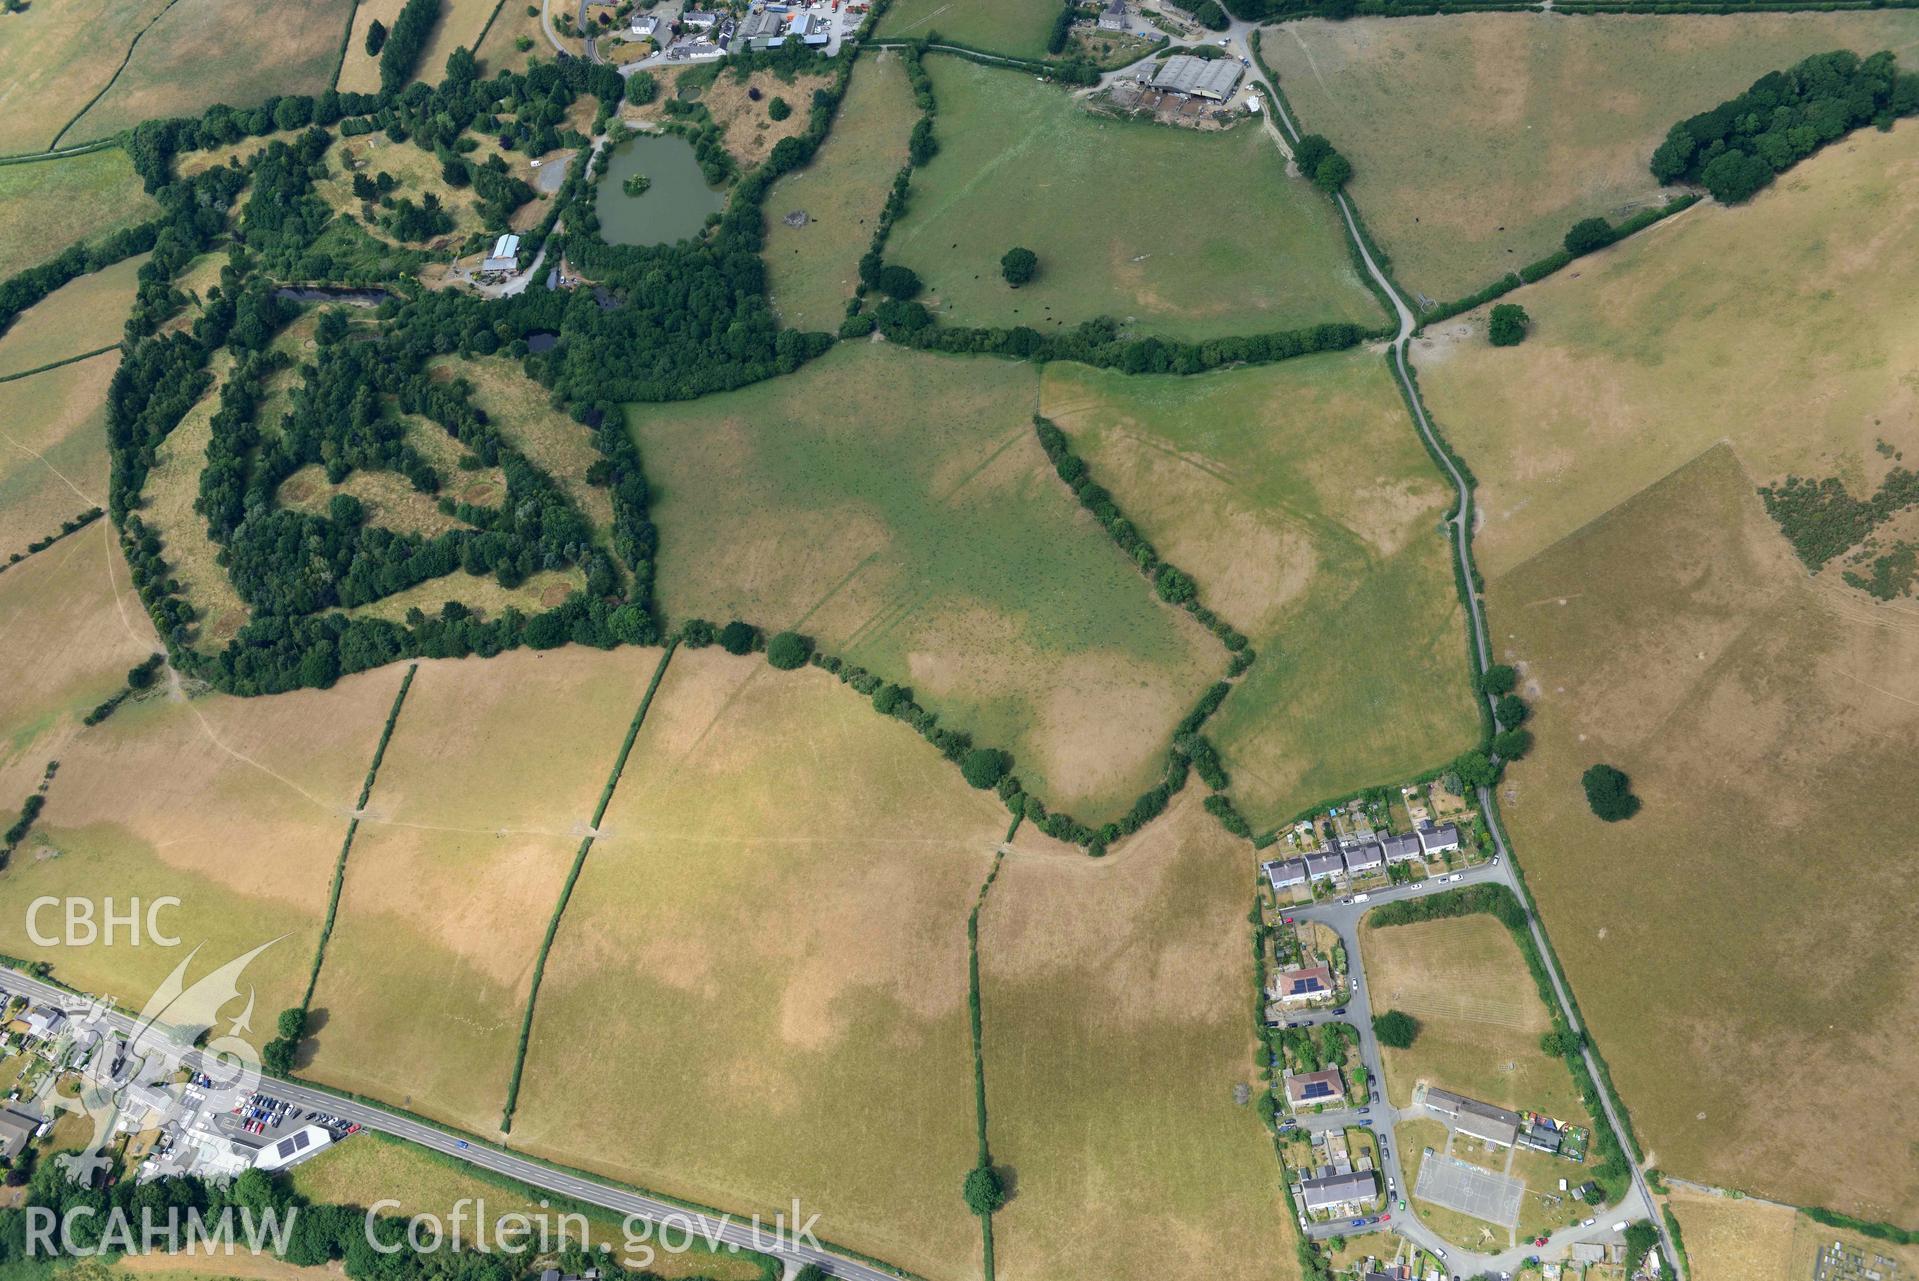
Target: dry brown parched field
[1479, 1012]
[1301, 499]
[461, 22]
[1546, 119]
[1116, 1003]
[235, 806]
[1745, 932]
[897, 507]
[53, 450]
[199, 52]
[487, 788]
[1746, 1240]
[47, 206]
[358, 72]
[759, 988]
[85, 314]
[813, 269]
[57, 55]
[172, 488]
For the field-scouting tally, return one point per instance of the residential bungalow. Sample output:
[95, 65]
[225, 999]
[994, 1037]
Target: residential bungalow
[1361, 857]
[1326, 865]
[1402, 849]
[1338, 1193]
[1284, 874]
[1438, 840]
[1310, 1088]
[1297, 987]
[1474, 1119]
[43, 1024]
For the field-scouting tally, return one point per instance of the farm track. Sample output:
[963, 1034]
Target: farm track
[1461, 523]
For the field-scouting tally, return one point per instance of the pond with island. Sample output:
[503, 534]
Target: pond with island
[653, 192]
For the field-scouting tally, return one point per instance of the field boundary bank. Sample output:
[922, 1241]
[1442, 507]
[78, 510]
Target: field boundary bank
[572, 878]
[478, 40]
[346, 47]
[62, 153]
[977, 1022]
[115, 77]
[56, 364]
[73, 525]
[352, 828]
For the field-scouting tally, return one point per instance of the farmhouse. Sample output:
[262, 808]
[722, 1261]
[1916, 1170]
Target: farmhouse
[505, 255]
[1283, 874]
[1306, 984]
[1438, 840]
[698, 19]
[1338, 1192]
[1113, 16]
[1214, 81]
[1308, 1088]
[645, 25]
[1474, 1119]
[1402, 849]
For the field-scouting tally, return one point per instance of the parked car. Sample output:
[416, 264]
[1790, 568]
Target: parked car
[1340, 1011]
[1386, 1218]
[1588, 1223]
[1359, 1223]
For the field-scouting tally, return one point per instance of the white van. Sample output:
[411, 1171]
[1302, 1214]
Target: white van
[1362, 898]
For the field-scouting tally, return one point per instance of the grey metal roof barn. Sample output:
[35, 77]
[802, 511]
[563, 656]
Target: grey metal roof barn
[1184, 73]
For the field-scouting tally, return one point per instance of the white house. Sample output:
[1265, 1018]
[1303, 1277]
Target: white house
[1283, 874]
[1438, 840]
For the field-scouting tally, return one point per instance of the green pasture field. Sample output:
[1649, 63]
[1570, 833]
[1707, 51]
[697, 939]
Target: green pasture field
[1171, 232]
[205, 51]
[50, 204]
[56, 56]
[898, 508]
[486, 790]
[1118, 1022]
[814, 269]
[1016, 27]
[53, 450]
[85, 314]
[758, 990]
[1300, 498]
[1546, 119]
[234, 806]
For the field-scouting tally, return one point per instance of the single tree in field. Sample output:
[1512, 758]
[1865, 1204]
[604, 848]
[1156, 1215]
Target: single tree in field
[375, 38]
[1396, 1029]
[1508, 325]
[984, 1192]
[1609, 793]
[778, 109]
[1018, 266]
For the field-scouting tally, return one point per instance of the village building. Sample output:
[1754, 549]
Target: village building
[1309, 1088]
[1474, 1119]
[1338, 1193]
[1113, 16]
[1402, 849]
[1325, 865]
[1284, 874]
[1297, 987]
[1438, 840]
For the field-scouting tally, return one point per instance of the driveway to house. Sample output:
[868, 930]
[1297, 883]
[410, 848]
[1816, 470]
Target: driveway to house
[1343, 917]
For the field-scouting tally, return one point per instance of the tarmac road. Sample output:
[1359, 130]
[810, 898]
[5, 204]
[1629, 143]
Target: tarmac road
[776, 1240]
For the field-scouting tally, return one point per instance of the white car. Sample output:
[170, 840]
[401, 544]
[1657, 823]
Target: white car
[1588, 1223]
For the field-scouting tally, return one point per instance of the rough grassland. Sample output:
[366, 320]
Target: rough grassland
[765, 963]
[1748, 1240]
[235, 806]
[82, 315]
[1111, 207]
[373, 1167]
[481, 594]
[47, 206]
[1479, 1013]
[1300, 498]
[1763, 720]
[1018, 27]
[813, 269]
[173, 486]
[1786, 326]
[68, 642]
[359, 73]
[460, 24]
[53, 450]
[1117, 1013]
[499, 52]
[487, 787]
[1547, 119]
[205, 51]
[56, 56]
[417, 173]
[898, 508]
